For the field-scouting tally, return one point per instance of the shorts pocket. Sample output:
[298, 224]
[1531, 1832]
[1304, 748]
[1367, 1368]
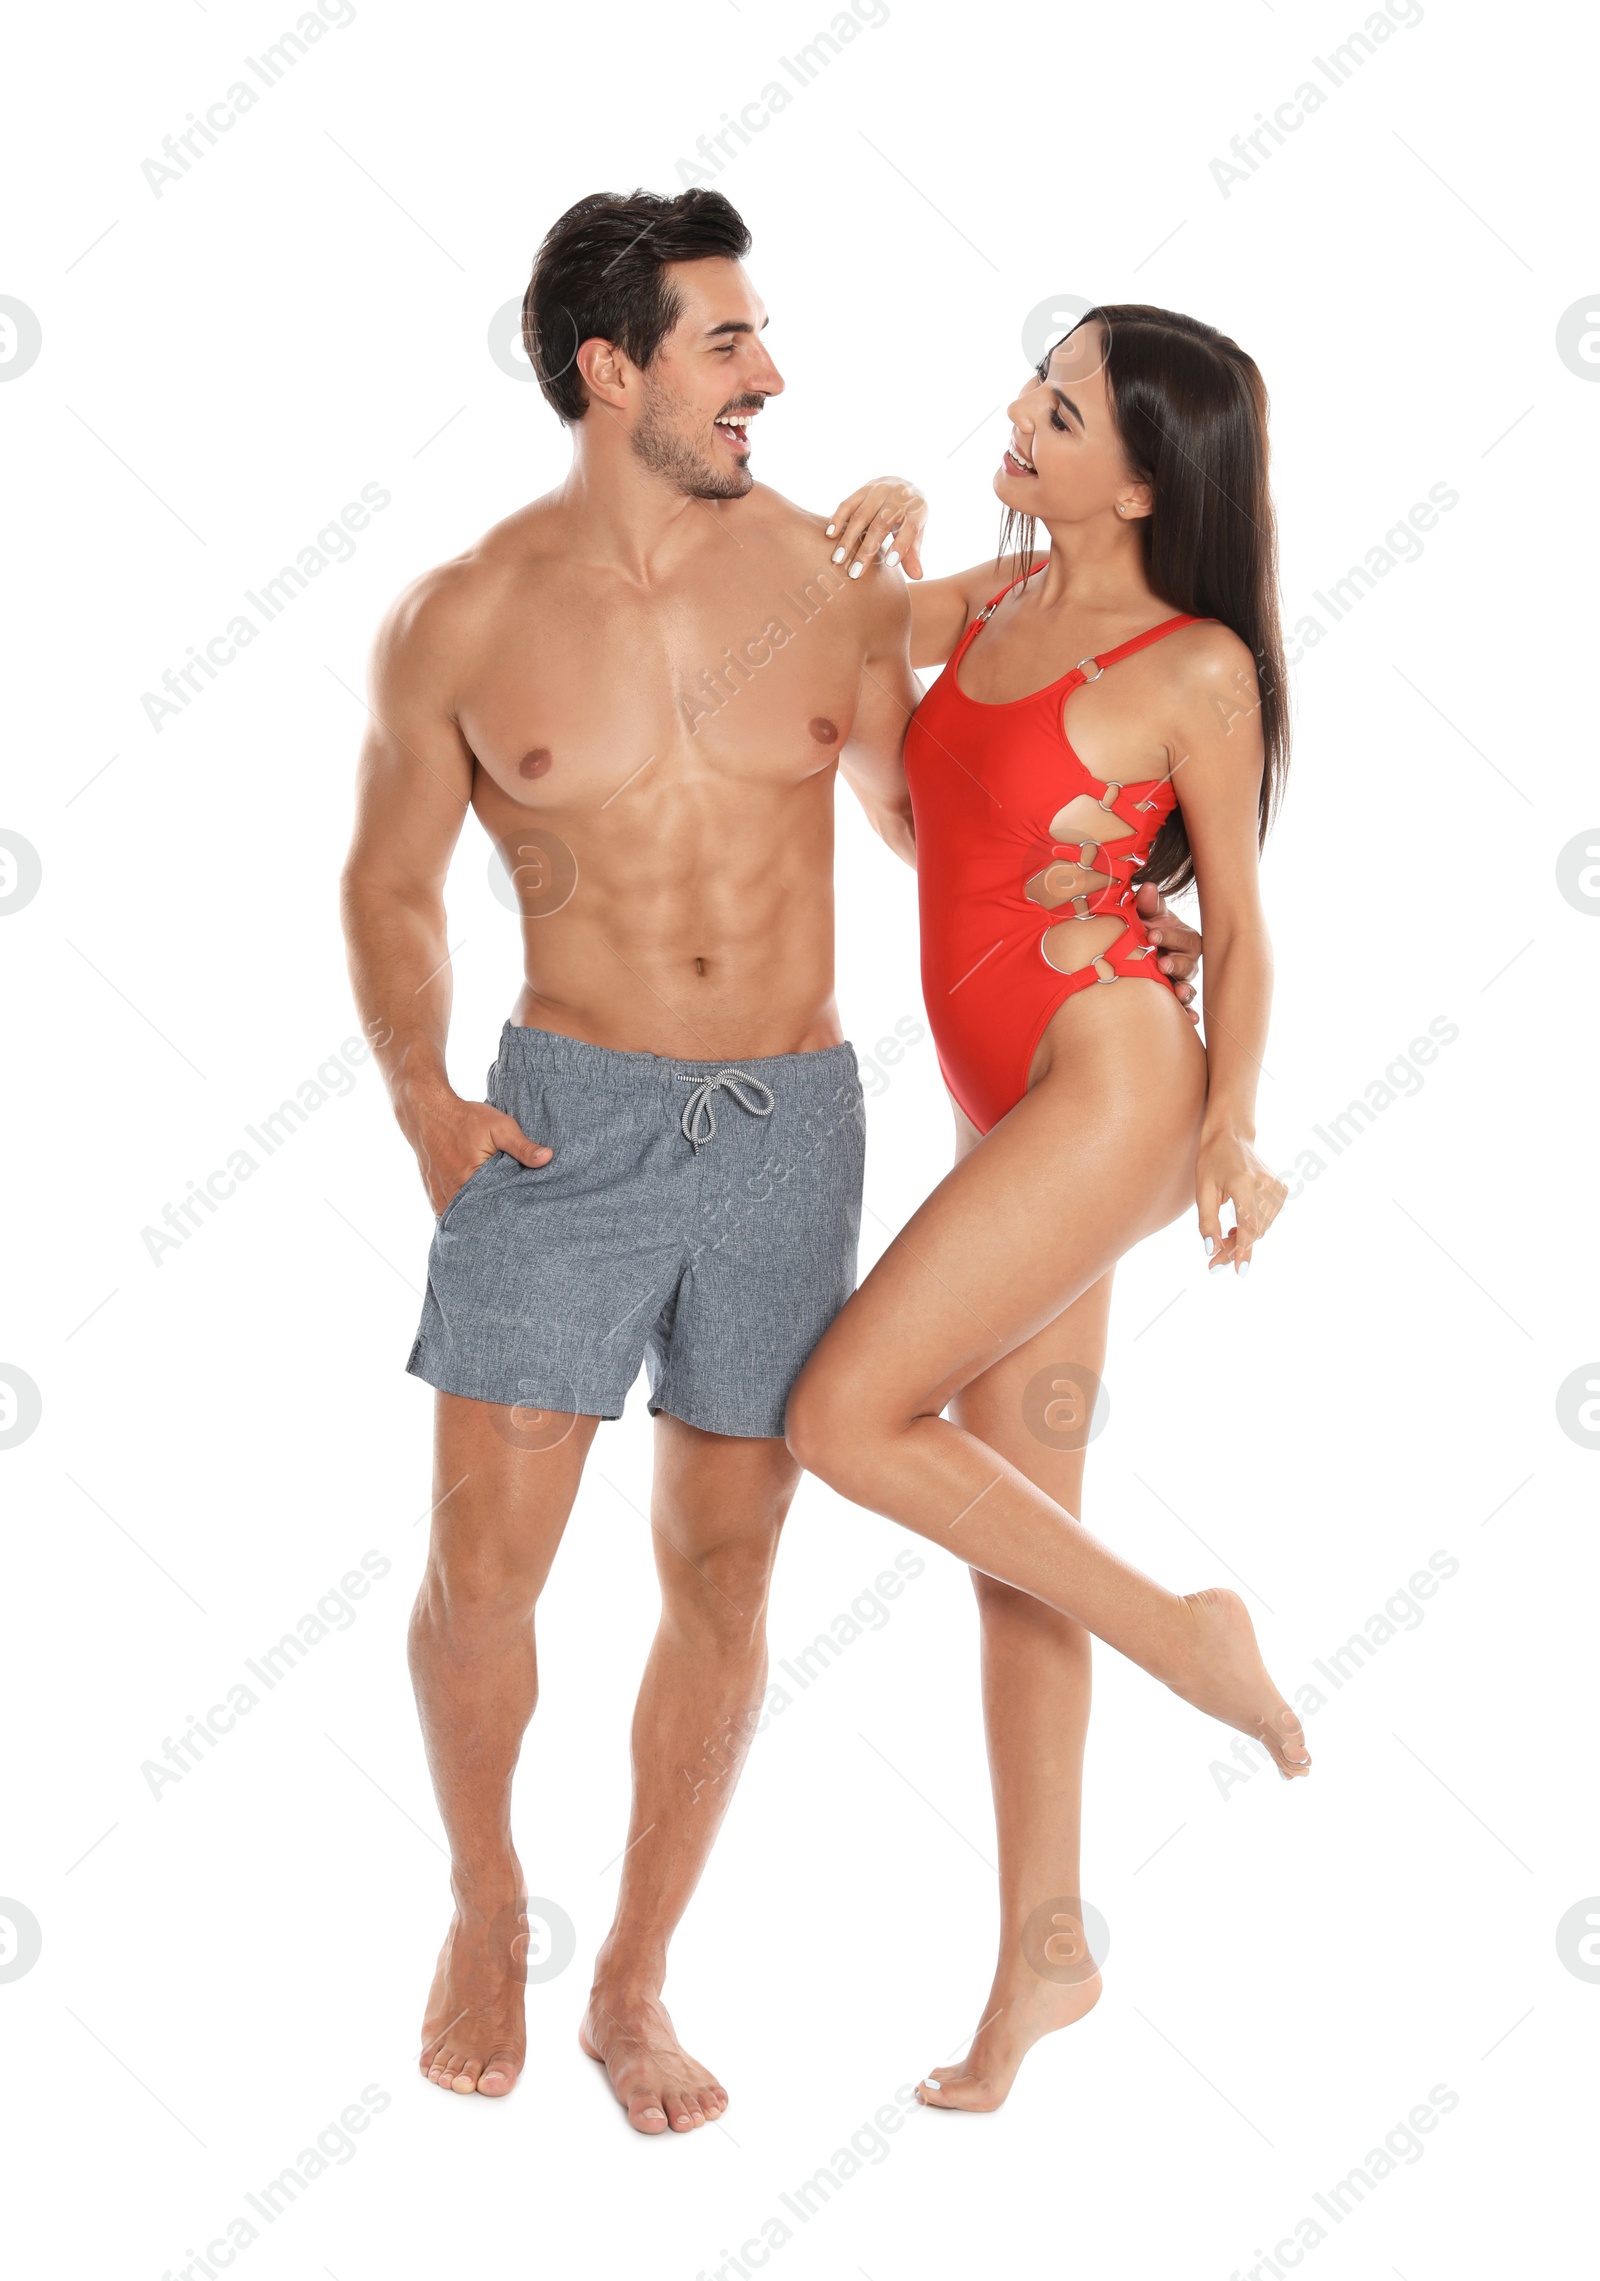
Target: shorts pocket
[471, 1180]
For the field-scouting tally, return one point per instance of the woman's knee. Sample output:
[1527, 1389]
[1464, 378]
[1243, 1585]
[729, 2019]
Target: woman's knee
[1010, 1616]
[829, 1426]
[811, 1422]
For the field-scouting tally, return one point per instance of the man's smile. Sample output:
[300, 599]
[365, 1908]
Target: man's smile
[733, 428]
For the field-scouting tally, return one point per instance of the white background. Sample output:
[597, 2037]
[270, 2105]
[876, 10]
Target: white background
[223, 1434]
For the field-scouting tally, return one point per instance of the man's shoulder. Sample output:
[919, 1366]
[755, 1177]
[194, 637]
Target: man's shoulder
[448, 603]
[778, 520]
[798, 538]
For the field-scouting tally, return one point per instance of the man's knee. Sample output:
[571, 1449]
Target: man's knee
[482, 1578]
[719, 1590]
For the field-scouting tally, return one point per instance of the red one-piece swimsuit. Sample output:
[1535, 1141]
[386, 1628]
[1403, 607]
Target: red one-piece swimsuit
[986, 782]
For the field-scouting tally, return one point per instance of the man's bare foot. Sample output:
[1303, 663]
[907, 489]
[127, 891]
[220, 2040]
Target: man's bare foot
[1219, 1669]
[661, 2087]
[1021, 2009]
[473, 2037]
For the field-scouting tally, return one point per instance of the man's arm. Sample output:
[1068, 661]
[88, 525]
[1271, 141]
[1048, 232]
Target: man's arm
[413, 791]
[870, 761]
[1178, 945]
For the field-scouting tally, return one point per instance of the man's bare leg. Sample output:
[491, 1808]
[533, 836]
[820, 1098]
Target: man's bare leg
[501, 1502]
[717, 1507]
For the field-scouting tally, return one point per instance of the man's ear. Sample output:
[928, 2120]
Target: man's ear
[605, 372]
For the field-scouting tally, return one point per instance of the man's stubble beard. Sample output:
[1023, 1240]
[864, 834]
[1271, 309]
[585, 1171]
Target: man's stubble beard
[662, 447]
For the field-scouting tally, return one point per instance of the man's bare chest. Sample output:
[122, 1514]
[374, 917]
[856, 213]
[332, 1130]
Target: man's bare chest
[753, 677]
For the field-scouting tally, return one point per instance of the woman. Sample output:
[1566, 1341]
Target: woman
[1044, 790]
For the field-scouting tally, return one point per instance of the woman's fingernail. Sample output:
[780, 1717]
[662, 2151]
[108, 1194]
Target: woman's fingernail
[838, 552]
[1244, 1267]
[1210, 1244]
[1216, 1267]
[831, 529]
[892, 557]
[856, 568]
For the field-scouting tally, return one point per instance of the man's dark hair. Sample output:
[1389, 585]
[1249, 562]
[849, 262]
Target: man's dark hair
[599, 276]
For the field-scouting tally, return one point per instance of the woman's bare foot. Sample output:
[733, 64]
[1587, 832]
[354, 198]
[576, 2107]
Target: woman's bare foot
[1218, 1668]
[658, 2083]
[473, 2037]
[1021, 2009]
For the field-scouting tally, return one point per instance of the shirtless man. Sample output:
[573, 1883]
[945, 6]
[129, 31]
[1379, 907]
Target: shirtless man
[642, 684]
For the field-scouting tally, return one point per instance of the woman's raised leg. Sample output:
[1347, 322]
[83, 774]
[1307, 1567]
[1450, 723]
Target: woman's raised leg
[1096, 1156]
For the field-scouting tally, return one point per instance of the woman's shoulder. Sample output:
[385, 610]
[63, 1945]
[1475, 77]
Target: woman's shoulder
[943, 608]
[1212, 687]
[1209, 654]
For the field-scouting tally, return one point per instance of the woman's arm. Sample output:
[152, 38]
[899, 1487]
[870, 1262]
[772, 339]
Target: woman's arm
[942, 609]
[1217, 777]
[891, 514]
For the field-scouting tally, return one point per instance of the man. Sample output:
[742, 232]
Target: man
[643, 685]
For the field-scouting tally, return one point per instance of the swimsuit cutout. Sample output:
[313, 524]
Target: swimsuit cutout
[986, 782]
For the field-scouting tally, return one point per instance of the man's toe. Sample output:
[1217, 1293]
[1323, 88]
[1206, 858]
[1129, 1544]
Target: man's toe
[647, 2114]
[499, 2075]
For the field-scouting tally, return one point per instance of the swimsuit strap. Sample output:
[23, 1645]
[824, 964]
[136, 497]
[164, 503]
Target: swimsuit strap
[987, 612]
[1139, 641]
[1100, 662]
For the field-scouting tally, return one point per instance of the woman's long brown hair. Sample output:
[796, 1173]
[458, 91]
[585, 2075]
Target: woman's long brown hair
[1191, 410]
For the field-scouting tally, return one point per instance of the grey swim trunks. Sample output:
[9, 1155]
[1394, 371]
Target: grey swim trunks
[699, 1215]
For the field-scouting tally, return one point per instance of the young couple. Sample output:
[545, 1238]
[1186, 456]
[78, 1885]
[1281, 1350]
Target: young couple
[643, 685]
